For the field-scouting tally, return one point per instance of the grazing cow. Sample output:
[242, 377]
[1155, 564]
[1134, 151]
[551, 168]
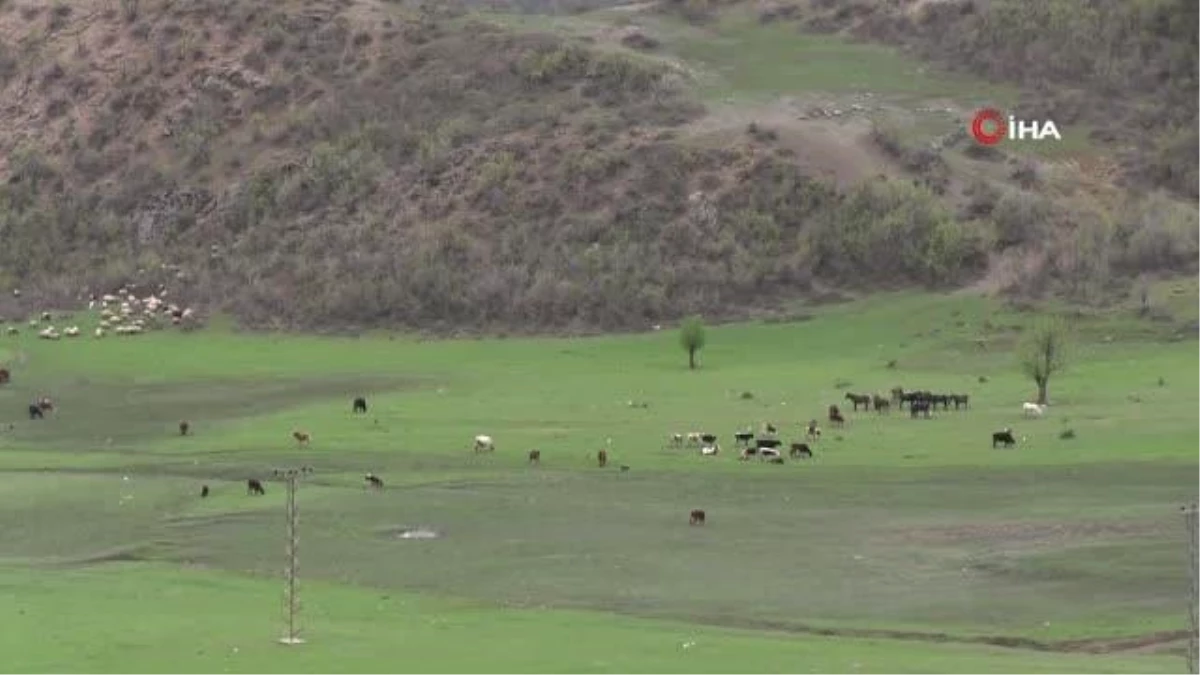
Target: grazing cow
[373, 481]
[1033, 410]
[800, 450]
[747, 453]
[859, 399]
[693, 438]
[484, 444]
[184, 427]
[35, 411]
[255, 487]
[676, 440]
[941, 398]
[708, 439]
[696, 517]
[743, 437]
[898, 395]
[5, 376]
[880, 403]
[45, 404]
[602, 458]
[920, 406]
[360, 405]
[535, 456]
[1004, 437]
[768, 443]
[203, 491]
[835, 416]
[813, 432]
[302, 438]
[769, 428]
[710, 450]
[960, 400]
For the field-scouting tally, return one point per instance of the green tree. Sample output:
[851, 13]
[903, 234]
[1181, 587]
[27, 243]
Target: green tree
[1043, 352]
[691, 338]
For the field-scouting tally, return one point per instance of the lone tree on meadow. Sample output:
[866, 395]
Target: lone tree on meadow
[1043, 353]
[691, 338]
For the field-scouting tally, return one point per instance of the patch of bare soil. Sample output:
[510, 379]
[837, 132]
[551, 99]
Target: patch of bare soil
[831, 140]
[1030, 533]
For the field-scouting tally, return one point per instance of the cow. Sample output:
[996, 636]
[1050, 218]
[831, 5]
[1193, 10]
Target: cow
[696, 517]
[769, 453]
[859, 399]
[45, 404]
[743, 437]
[769, 428]
[768, 443]
[602, 458]
[184, 427]
[35, 412]
[255, 487]
[708, 439]
[1033, 409]
[484, 444]
[835, 416]
[5, 376]
[1004, 437]
[373, 481]
[962, 400]
[776, 460]
[535, 456]
[302, 438]
[813, 432]
[693, 438]
[710, 450]
[203, 491]
[800, 450]
[881, 404]
[676, 440]
[919, 406]
[360, 406]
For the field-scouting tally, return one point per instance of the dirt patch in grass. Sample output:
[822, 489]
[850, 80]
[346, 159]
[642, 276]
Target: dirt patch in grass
[1029, 533]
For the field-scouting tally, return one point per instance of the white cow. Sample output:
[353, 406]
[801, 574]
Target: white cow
[710, 450]
[484, 444]
[1033, 409]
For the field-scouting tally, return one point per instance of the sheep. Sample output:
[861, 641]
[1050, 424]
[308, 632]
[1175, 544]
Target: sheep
[484, 444]
[1033, 409]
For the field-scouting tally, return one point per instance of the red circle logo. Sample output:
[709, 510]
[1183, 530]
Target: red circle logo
[998, 123]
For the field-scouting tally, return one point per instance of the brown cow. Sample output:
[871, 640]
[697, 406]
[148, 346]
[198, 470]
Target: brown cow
[535, 456]
[302, 438]
[45, 404]
[203, 491]
[184, 427]
[374, 481]
[602, 458]
[5, 376]
[697, 517]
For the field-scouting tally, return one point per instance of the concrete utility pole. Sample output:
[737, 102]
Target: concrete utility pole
[292, 571]
[1193, 645]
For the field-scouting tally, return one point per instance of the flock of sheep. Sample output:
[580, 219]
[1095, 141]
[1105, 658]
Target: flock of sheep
[123, 313]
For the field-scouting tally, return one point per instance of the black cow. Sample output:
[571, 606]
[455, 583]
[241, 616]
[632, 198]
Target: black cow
[696, 517]
[360, 405]
[919, 406]
[255, 487]
[859, 399]
[203, 491]
[374, 481]
[708, 439]
[800, 450]
[960, 400]
[35, 412]
[743, 437]
[880, 403]
[1004, 437]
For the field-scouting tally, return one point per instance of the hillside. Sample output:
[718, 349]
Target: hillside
[357, 163]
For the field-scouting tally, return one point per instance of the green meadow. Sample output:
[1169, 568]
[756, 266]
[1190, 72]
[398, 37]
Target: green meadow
[902, 546]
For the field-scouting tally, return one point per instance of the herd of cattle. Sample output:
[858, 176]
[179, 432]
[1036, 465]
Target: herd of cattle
[765, 445]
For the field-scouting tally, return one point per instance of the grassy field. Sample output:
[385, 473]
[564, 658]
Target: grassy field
[904, 545]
